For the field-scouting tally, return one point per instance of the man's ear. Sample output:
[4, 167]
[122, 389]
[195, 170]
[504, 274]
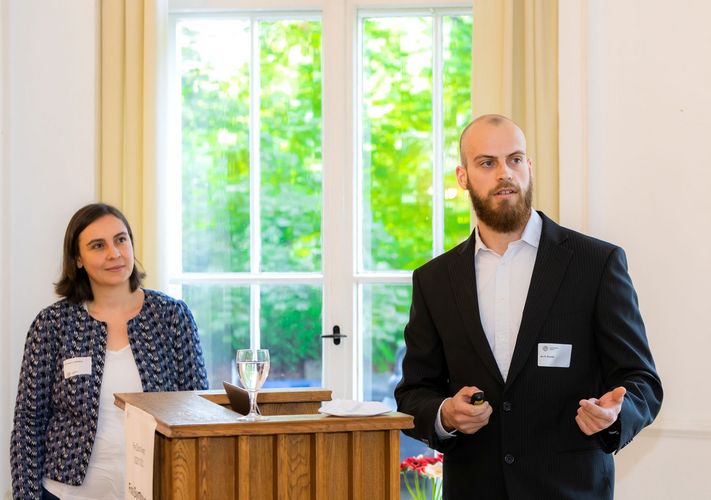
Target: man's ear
[461, 173]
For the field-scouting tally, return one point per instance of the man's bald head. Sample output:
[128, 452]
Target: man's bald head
[491, 120]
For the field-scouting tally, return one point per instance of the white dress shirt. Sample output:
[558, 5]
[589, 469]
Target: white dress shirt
[502, 283]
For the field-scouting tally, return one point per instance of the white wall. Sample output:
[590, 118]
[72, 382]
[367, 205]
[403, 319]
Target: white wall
[636, 106]
[4, 334]
[49, 157]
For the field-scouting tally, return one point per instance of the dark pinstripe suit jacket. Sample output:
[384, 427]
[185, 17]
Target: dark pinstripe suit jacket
[580, 294]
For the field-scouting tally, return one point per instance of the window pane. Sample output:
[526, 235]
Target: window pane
[457, 63]
[290, 327]
[222, 316]
[385, 312]
[213, 63]
[290, 124]
[397, 142]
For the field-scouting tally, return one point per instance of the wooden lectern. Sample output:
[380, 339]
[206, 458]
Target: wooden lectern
[203, 452]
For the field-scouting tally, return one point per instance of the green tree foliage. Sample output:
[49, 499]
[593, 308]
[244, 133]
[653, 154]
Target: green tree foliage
[385, 312]
[457, 99]
[215, 190]
[398, 158]
[397, 140]
[290, 150]
[222, 315]
[215, 156]
[290, 327]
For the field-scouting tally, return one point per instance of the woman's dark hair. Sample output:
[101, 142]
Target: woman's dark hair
[74, 283]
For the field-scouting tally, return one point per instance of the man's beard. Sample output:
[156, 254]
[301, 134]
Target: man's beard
[508, 217]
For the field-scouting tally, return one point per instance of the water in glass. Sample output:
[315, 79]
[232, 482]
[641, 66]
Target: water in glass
[253, 368]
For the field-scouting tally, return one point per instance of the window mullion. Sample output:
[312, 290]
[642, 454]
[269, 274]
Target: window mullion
[359, 268]
[339, 157]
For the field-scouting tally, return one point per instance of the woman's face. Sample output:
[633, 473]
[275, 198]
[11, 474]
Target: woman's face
[106, 252]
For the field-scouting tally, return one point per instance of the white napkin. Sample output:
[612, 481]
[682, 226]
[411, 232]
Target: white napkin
[350, 408]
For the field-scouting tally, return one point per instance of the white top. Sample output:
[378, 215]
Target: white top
[105, 475]
[502, 283]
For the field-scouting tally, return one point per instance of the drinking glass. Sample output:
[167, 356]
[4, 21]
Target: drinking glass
[253, 368]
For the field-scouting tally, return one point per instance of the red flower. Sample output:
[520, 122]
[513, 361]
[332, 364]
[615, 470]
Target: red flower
[422, 466]
[419, 462]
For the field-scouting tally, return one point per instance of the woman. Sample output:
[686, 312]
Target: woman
[106, 335]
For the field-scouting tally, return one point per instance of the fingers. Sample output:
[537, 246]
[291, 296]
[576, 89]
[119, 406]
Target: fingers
[618, 394]
[613, 398]
[592, 418]
[472, 418]
[584, 426]
[595, 415]
[465, 393]
[459, 414]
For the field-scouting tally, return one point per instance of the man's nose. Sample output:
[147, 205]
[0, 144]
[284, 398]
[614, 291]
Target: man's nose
[503, 171]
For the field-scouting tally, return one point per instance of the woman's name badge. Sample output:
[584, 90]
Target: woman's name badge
[77, 366]
[554, 355]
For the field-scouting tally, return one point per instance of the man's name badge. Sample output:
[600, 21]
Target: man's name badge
[77, 366]
[554, 355]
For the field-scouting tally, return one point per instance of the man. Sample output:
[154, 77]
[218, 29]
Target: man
[545, 322]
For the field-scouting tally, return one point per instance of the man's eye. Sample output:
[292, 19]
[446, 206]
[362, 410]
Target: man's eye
[487, 163]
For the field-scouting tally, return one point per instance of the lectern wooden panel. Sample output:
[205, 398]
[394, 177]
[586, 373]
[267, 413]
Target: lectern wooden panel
[203, 452]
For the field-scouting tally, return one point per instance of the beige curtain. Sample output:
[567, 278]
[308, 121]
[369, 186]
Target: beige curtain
[132, 34]
[515, 73]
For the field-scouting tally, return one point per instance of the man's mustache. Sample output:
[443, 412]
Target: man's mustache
[505, 185]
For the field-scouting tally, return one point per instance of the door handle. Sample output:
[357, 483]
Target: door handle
[336, 336]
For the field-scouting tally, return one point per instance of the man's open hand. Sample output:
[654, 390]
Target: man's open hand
[595, 415]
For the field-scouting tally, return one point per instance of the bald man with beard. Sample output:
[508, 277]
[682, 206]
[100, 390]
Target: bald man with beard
[542, 319]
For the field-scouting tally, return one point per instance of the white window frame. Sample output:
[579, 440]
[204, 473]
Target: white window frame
[342, 274]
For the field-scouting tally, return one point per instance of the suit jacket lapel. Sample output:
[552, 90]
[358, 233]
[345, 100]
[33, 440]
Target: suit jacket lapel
[463, 278]
[548, 272]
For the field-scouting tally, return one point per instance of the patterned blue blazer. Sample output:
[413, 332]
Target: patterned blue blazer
[55, 418]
